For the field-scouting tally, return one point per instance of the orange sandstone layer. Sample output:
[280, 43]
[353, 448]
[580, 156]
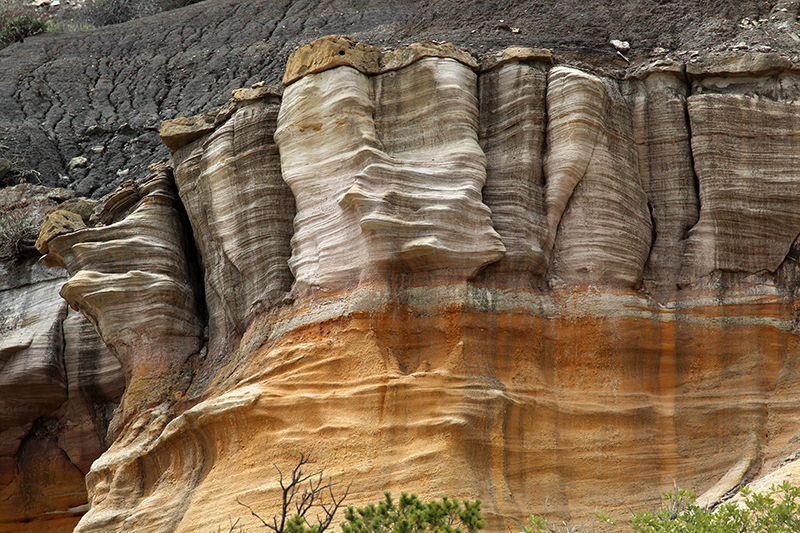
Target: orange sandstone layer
[574, 402]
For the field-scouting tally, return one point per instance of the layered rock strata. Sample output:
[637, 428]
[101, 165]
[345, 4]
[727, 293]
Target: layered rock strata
[240, 209]
[512, 122]
[508, 280]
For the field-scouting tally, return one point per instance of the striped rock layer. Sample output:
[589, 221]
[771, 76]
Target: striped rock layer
[503, 279]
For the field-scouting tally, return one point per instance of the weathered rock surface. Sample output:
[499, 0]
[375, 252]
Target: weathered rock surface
[503, 286]
[507, 283]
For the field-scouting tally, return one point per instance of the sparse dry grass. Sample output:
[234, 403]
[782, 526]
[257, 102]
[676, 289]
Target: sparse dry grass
[19, 224]
[20, 19]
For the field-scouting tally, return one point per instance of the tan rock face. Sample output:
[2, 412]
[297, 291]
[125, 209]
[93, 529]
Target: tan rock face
[523, 283]
[336, 51]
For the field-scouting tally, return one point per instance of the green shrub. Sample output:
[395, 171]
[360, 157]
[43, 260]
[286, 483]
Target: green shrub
[411, 515]
[776, 511]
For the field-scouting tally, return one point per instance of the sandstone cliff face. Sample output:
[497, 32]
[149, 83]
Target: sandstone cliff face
[498, 279]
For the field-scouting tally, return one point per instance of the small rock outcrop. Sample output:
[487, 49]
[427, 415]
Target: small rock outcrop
[59, 383]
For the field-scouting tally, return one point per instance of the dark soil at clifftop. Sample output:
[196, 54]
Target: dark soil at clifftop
[84, 108]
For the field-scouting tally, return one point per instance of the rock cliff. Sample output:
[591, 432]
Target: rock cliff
[486, 276]
[535, 277]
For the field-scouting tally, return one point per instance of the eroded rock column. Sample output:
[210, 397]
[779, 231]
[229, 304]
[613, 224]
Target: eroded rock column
[662, 136]
[384, 162]
[513, 118]
[227, 170]
[598, 224]
[747, 156]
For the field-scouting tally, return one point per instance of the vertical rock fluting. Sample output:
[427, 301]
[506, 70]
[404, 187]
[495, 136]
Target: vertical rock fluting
[598, 223]
[746, 155]
[387, 173]
[662, 136]
[328, 248]
[513, 119]
[241, 212]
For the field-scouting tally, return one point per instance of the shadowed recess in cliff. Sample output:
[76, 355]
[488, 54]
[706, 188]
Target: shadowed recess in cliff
[51, 426]
[227, 169]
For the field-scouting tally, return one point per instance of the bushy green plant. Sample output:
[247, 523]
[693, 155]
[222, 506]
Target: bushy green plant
[776, 511]
[18, 22]
[412, 515]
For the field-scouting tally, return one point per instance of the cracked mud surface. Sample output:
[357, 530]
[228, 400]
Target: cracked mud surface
[101, 94]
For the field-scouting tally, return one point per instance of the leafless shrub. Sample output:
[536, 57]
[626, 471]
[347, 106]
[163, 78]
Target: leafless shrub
[302, 494]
